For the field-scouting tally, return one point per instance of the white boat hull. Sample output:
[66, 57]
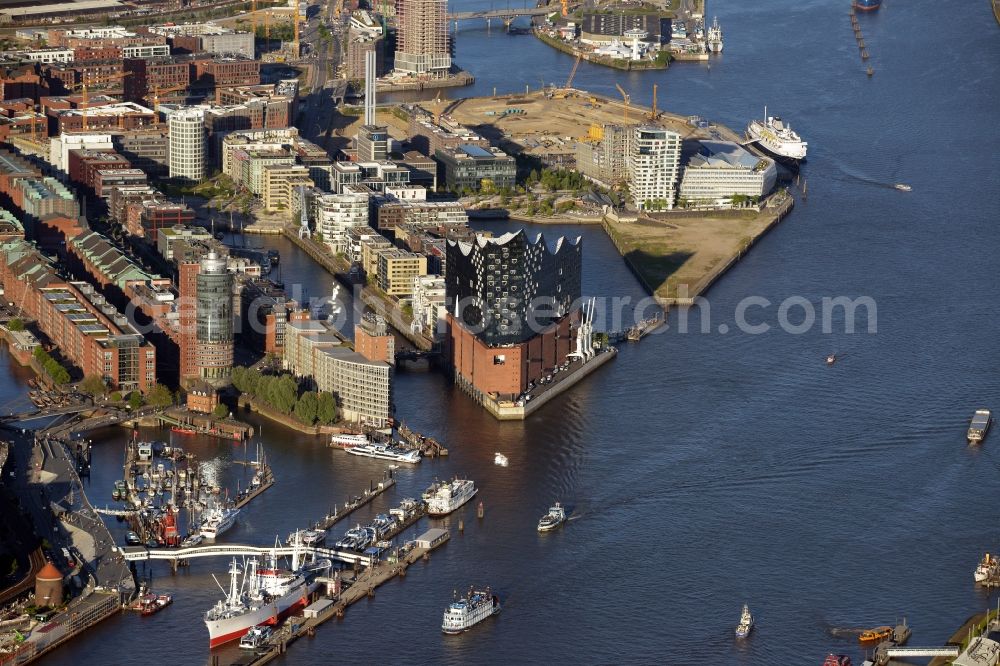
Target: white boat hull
[437, 511]
[230, 629]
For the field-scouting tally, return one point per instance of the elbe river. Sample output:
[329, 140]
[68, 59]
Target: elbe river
[703, 470]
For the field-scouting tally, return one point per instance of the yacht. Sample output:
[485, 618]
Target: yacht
[444, 497]
[903, 187]
[218, 521]
[553, 519]
[746, 623]
[462, 614]
[500, 459]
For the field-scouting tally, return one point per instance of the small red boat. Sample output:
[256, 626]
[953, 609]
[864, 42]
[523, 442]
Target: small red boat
[155, 605]
[837, 660]
[184, 431]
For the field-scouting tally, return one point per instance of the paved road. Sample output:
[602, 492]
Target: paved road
[46, 476]
[318, 108]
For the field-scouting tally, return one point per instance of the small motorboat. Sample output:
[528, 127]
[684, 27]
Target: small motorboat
[256, 637]
[837, 660]
[746, 623]
[553, 519]
[831, 359]
[903, 187]
[875, 636]
[500, 459]
[133, 539]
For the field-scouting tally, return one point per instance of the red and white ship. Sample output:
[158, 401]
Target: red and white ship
[263, 595]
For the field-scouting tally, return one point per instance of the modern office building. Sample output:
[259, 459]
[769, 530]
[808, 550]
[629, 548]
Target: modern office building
[722, 169]
[422, 40]
[474, 168]
[214, 335]
[511, 310]
[187, 144]
[654, 167]
[373, 144]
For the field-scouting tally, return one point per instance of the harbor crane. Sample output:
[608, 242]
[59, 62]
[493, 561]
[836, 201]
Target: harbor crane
[627, 98]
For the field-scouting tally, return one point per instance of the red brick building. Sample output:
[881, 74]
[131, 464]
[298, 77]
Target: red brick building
[88, 332]
[202, 397]
[83, 166]
[505, 372]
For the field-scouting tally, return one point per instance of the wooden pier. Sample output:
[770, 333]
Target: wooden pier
[267, 482]
[361, 587]
[428, 446]
[374, 490]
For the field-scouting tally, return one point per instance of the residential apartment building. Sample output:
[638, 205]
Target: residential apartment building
[362, 387]
[422, 45]
[397, 269]
[334, 214]
[654, 167]
[187, 144]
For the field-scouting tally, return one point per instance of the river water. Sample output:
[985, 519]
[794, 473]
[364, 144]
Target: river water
[707, 470]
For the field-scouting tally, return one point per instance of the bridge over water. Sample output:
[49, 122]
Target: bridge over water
[174, 555]
[506, 15]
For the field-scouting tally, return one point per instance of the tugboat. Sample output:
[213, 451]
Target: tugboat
[875, 636]
[746, 623]
[462, 614]
[979, 426]
[987, 568]
[837, 660]
[553, 519]
[152, 604]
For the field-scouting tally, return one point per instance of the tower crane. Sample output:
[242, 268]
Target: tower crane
[89, 81]
[157, 91]
[627, 98]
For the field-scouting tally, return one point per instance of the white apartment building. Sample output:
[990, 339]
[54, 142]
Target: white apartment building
[187, 143]
[363, 388]
[428, 301]
[654, 167]
[722, 169]
[336, 213]
[47, 56]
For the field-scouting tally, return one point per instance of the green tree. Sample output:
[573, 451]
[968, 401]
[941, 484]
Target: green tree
[160, 397]
[283, 394]
[134, 400]
[326, 408]
[306, 407]
[116, 396]
[220, 411]
[15, 325]
[93, 385]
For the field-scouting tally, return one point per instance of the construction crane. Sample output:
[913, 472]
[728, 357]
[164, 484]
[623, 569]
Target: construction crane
[298, 52]
[89, 81]
[572, 72]
[653, 115]
[627, 98]
[160, 91]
